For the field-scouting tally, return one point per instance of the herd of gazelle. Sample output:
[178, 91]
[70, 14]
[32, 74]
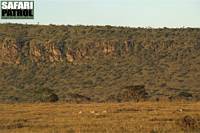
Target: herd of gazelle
[95, 112]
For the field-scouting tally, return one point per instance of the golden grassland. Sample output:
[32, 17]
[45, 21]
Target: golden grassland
[141, 117]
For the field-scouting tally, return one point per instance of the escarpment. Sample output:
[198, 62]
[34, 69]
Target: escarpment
[98, 62]
[52, 52]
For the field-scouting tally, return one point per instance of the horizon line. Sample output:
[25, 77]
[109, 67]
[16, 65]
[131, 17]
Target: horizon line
[103, 25]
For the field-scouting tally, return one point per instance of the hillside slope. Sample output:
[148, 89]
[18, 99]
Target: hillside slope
[98, 63]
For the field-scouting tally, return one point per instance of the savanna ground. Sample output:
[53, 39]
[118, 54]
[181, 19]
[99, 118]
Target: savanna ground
[141, 117]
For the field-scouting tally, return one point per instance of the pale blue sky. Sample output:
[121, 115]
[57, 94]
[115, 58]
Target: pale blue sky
[134, 13]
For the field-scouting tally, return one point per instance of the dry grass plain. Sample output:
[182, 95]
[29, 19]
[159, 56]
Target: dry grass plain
[141, 117]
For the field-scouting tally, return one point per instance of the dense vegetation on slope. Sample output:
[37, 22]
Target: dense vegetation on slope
[98, 63]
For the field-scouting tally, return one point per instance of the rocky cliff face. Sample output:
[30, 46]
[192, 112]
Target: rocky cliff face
[13, 52]
[49, 51]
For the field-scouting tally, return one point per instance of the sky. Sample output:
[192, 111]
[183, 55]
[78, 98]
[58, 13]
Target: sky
[133, 13]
